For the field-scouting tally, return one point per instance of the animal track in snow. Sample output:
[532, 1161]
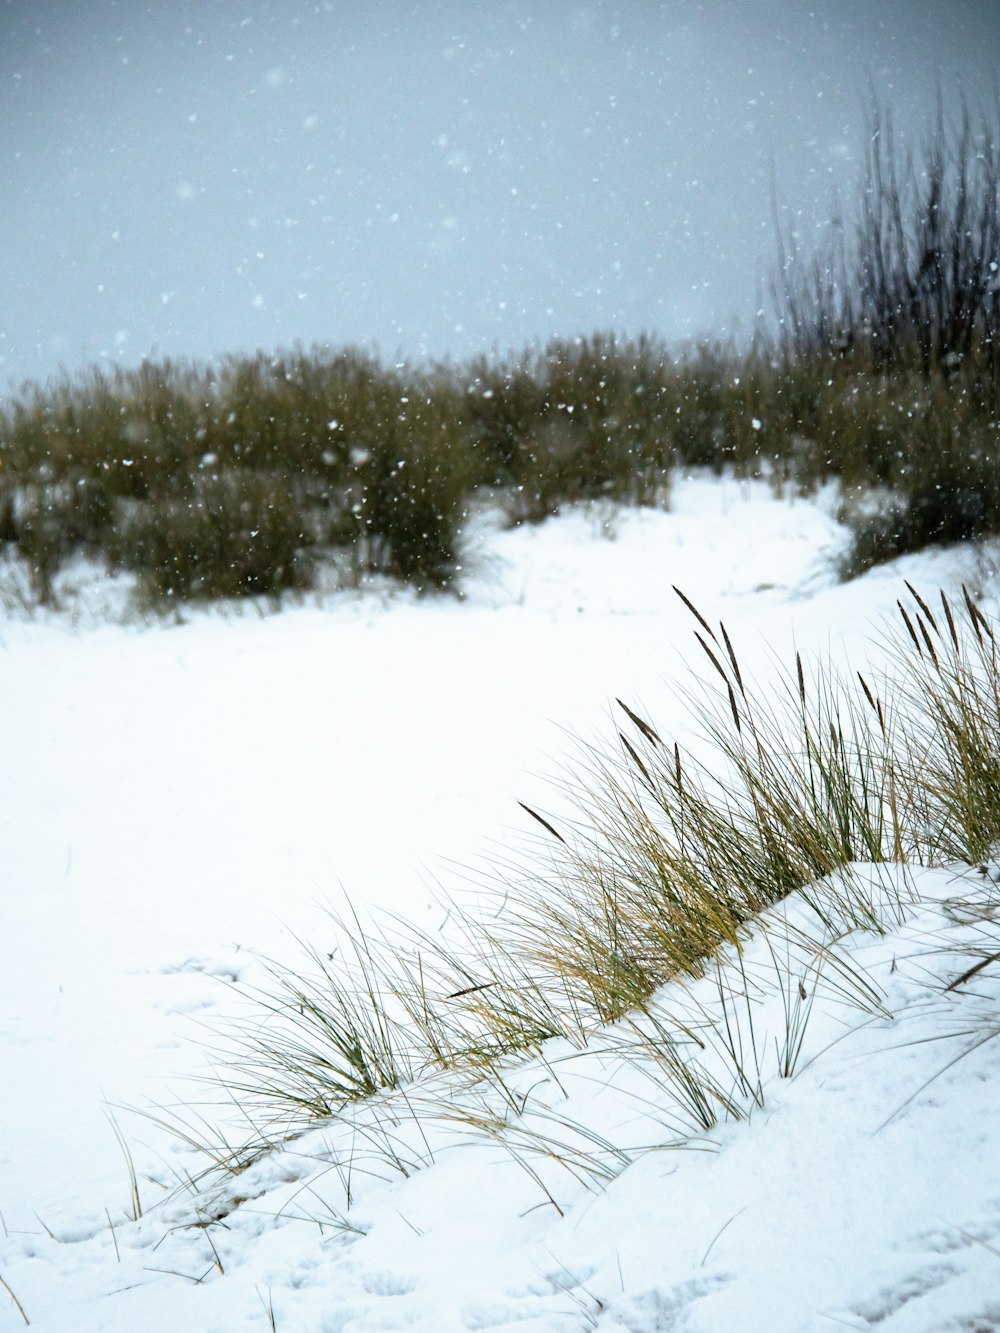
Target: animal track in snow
[387, 1283]
[912, 1288]
[661, 1311]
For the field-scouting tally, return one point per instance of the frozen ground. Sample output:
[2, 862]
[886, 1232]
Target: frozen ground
[176, 797]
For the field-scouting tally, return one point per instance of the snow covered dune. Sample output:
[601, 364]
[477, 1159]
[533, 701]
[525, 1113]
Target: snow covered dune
[179, 798]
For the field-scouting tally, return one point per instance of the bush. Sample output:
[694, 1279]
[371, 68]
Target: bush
[904, 315]
[935, 460]
[882, 373]
[577, 420]
[230, 481]
[918, 283]
[411, 486]
[237, 536]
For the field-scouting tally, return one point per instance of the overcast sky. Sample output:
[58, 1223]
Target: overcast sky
[191, 177]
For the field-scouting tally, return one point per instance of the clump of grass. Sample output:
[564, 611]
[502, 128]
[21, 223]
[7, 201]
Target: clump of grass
[881, 371]
[381, 1008]
[667, 857]
[669, 865]
[236, 536]
[234, 480]
[951, 694]
[327, 1039]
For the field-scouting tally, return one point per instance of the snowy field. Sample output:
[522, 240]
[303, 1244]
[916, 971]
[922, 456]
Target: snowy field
[177, 797]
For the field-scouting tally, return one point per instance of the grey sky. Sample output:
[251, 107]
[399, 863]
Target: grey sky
[434, 177]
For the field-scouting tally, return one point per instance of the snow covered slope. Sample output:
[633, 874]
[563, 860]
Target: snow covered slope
[177, 797]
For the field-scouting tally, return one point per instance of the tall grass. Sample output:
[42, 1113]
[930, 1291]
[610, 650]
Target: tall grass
[916, 283]
[234, 480]
[670, 855]
[243, 478]
[904, 307]
[673, 860]
[880, 370]
[229, 481]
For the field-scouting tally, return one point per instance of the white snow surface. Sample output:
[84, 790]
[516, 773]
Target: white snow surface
[177, 798]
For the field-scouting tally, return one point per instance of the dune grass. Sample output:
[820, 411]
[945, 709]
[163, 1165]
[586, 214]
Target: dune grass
[878, 370]
[242, 479]
[674, 860]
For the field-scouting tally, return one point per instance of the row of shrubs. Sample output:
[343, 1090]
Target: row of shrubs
[881, 370]
[220, 481]
[216, 481]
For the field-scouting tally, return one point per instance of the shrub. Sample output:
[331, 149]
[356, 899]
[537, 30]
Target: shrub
[882, 373]
[936, 460]
[904, 315]
[411, 484]
[504, 401]
[579, 419]
[605, 417]
[225, 483]
[237, 536]
[917, 285]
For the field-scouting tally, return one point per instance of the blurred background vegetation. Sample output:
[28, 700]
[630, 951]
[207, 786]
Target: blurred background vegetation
[879, 370]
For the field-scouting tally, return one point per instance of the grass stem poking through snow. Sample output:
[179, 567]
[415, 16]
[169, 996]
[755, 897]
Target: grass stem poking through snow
[20, 1307]
[660, 872]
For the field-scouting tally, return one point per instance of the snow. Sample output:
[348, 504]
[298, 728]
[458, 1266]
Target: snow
[179, 797]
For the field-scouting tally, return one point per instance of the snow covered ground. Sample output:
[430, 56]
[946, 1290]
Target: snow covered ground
[177, 797]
